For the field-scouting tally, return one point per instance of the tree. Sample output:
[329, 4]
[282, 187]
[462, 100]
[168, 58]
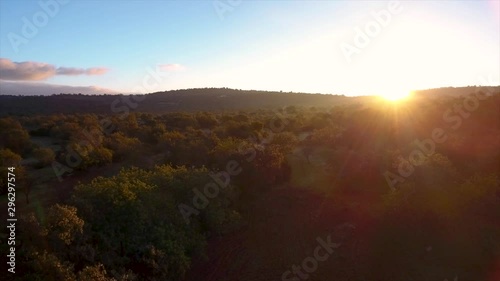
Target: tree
[206, 120]
[65, 130]
[121, 145]
[135, 219]
[89, 155]
[479, 194]
[47, 266]
[180, 120]
[44, 155]
[169, 140]
[9, 159]
[63, 224]
[94, 273]
[14, 136]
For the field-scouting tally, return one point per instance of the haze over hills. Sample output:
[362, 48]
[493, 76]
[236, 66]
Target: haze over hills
[205, 99]
[456, 91]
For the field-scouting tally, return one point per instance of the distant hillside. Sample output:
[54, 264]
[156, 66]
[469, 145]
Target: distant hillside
[206, 99]
[456, 92]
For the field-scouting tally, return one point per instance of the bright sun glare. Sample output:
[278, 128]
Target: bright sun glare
[395, 95]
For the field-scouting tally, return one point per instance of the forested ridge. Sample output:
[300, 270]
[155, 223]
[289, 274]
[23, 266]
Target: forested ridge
[205, 99]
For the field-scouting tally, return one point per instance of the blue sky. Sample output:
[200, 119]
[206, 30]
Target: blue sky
[265, 45]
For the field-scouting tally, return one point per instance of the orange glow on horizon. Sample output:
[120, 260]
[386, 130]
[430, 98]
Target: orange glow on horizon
[395, 96]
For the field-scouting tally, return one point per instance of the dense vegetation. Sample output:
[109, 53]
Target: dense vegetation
[138, 196]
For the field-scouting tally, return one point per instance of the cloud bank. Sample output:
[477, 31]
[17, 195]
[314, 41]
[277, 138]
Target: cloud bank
[37, 71]
[45, 89]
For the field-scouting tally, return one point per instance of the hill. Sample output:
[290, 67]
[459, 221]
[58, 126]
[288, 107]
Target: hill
[204, 99]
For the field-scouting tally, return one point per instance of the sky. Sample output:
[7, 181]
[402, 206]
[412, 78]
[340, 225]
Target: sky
[331, 47]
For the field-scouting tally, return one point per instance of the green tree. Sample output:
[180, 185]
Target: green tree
[94, 273]
[136, 223]
[90, 155]
[14, 136]
[63, 224]
[206, 120]
[47, 266]
[44, 155]
[9, 159]
[121, 145]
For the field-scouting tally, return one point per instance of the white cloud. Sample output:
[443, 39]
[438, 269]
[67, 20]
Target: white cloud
[45, 89]
[37, 71]
[172, 67]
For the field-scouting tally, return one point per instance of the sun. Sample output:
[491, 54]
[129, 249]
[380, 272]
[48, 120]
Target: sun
[395, 95]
